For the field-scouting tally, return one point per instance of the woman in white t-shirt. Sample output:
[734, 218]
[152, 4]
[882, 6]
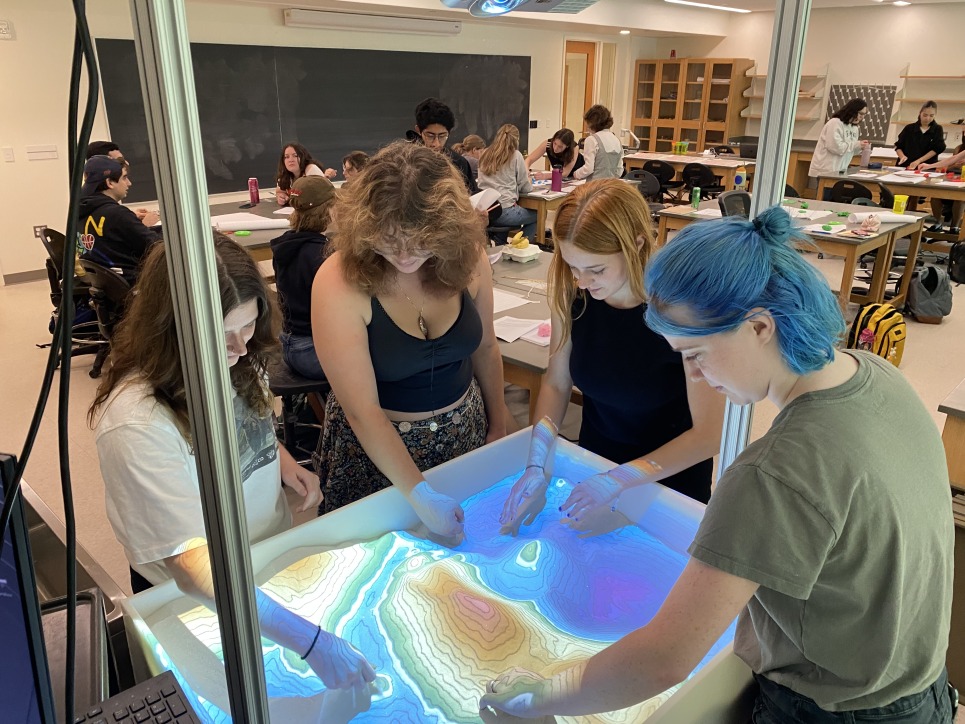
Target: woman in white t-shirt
[602, 150]
[838, 142]
[296, 161]
[145, 446]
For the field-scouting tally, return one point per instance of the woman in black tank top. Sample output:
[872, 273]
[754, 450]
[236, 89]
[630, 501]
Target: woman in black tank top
[640, 409]
[402, 319]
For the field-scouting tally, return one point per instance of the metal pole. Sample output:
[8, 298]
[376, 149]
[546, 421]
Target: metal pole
[167, 80]
[774, 150]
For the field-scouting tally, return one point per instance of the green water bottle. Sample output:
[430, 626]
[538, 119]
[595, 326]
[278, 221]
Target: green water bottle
[695, 197]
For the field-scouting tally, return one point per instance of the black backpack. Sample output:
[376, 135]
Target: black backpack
[956, 263]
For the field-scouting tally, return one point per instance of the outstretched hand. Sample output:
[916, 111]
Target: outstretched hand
[518, 692]
[525, 501]
[339, 664]
[589, 495]
[441, 514]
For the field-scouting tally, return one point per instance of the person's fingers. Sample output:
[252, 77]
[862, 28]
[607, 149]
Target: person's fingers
[367, 671]
[460, 515]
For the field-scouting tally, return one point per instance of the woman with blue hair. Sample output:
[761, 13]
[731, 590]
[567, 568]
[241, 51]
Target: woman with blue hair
[830, 536]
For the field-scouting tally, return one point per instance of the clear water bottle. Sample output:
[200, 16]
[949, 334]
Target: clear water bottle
[866, 156]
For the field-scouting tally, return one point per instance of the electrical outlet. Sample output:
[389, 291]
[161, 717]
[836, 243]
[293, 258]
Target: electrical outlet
[7, 153]
[39, 231]
[6, 30]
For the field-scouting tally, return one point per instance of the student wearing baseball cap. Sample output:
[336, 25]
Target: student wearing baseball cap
[111, 234]
[296, 256]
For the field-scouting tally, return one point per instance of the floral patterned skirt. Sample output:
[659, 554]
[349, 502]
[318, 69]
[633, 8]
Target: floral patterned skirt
[346, 472]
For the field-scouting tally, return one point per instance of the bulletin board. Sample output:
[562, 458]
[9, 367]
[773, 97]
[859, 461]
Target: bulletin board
[880, 100]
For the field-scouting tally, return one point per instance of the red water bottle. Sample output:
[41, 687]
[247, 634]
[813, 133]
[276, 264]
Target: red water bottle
[253, 197]
[556, 181]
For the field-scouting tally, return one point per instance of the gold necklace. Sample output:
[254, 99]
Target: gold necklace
[423, 327]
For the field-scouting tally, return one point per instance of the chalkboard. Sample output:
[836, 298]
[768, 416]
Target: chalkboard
[254, 99]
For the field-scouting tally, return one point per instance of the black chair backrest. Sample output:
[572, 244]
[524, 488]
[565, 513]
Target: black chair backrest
[53, 242]
[648, 184]
[735, 203]
[748, 150]
[661, 169]
[791, 192]
[845, 192]
[724, 149]
[886, 196]
[862, 201]
[108, 292]
[697, 174]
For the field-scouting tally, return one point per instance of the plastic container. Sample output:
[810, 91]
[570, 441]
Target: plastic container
[866, 156]
[253, 196]
[740, 178]
[695, 197]
[556, 182]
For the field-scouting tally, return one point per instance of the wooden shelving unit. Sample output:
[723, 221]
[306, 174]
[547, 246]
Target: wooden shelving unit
[948, 91]
[811, 102]
[687, 99]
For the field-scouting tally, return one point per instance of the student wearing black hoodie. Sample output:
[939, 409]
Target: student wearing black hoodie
[296, 256]
[111, 234]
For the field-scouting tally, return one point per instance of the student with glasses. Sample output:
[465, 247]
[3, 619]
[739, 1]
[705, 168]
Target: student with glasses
[838, 142]
[296, 161]
[402, 318]
[434, 121]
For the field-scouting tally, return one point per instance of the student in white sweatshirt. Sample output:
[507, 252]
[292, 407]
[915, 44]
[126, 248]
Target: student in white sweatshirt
[838, 142]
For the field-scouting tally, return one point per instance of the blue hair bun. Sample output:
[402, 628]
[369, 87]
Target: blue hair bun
[774, 226]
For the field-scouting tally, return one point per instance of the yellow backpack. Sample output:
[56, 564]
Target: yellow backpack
[881, 329]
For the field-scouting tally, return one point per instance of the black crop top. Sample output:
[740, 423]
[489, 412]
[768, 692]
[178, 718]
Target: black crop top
[420, 375]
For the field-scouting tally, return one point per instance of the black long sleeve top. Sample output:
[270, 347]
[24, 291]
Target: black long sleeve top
[915, 143]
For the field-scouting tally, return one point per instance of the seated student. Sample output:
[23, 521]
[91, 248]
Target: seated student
[561, 150]
[602, 150]
[112, 235]
[640, 408]
[502, 168]
[295, 162]
[433, 123]
[471, 149]
[402, 316]
[922, 141]
[830, 537]
[295, 257]
[942, 207]
[103, 148]
[147, 461]
[353, 163]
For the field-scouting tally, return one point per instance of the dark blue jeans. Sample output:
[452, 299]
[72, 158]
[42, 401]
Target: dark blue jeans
[299, 354]
[777, 704]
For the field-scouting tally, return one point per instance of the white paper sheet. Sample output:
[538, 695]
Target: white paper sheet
[284, 211]
[536, 338]
[807, 214]
[248, 222]
[896, 179]
[819, 229]
[503, 301]
[484, 199]
[709, 213]
[886, 217]
[511, 328]
[862, 174]
[952, 184]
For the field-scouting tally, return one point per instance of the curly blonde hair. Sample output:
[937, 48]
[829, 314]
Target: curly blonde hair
[145, 343]
[498, 153]
[606, 216]
[408, 196]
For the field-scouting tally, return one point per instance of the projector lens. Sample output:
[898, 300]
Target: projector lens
[486, 8]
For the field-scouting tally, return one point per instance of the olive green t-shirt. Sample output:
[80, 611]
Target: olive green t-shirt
[842, 514]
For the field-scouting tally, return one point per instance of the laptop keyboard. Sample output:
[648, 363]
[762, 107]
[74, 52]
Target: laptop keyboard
[159, 700]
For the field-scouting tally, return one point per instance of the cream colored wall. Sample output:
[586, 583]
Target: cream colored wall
[35, 71]
[864, 45]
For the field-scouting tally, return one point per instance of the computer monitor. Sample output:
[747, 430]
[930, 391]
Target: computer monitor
[24, 677]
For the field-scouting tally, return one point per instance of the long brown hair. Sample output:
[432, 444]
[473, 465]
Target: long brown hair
[606, 216]
[500, 151]
[408, 195]
[145, 344]
[285, 178]
[565, 136]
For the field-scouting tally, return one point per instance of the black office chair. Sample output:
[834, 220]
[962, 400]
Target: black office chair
[723, 150]
[649, 187]
[85, 336]
[735, 203]
[665, 173]
[886, 197]
[699, 175]
[297, 392]
[790, 192]
[109, 292]
[862, 201]
[845, 192]
[748, 151]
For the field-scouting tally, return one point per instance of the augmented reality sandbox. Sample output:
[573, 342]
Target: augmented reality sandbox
[438, 623]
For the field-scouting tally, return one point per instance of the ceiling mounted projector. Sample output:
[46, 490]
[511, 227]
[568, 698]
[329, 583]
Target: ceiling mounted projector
[489, 8]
